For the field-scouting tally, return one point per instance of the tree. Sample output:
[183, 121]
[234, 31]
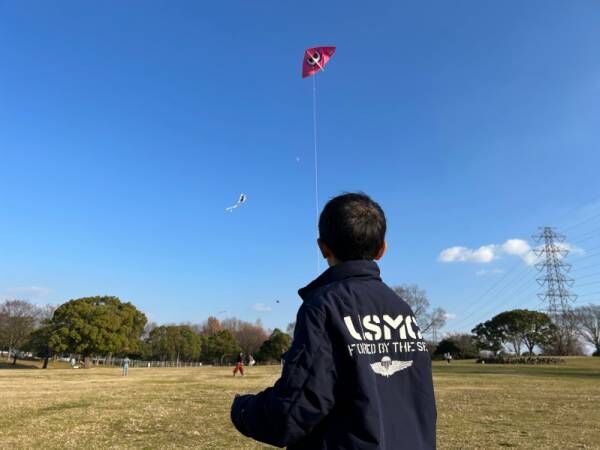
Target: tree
[589, 324]
[465, 346]
[565, 340]
[428, 320]
[96, 326]
[219, 347]
[487, 337]
[17, 321]
[515, 328]
[290, 328]
[537, 328]
[249, 336]
[274, 347]
[211, 326]
[447, 345]
[509, 328]
[39, 342]
[174, 343]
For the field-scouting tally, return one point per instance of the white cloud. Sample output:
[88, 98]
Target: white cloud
[28, 292]
[516, 247]
[572, 249]
[483, 254]
[261, 307]
[488, 253]
[450, 316]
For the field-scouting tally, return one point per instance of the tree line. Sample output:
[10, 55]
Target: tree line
[94, 327]
[521, 331]
[106, 327]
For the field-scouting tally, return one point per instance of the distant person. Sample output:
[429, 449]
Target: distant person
[239, 364]
[251, 360]
[125, 366]
[358, 373]
[448, 357]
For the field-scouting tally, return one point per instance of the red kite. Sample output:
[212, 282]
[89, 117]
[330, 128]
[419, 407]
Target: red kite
[315, 59]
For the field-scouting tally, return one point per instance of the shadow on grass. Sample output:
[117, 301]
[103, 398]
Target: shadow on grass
[5, 365]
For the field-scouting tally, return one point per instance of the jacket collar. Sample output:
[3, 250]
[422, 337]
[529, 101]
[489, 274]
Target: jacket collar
[345, 270]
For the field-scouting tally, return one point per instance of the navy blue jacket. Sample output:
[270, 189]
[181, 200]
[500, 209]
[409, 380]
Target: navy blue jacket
[358, 374]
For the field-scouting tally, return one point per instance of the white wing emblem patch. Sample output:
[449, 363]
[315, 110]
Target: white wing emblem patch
[387, 367]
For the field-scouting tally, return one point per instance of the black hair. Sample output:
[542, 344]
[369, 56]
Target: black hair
[353, 227]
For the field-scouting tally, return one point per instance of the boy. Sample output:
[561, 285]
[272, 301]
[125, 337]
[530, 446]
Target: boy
[358, 374]
[239, 364]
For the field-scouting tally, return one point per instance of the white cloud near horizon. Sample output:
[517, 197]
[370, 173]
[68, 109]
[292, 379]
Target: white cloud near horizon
[261, 307]
[483, 254]
[488, 253]
[450, 316]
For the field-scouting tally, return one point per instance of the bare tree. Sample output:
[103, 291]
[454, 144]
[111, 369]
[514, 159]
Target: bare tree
[290, 328]
[18, 319]
[589, 323]
[212, 326]
[428, 319]
[250, 336]
[566, 340]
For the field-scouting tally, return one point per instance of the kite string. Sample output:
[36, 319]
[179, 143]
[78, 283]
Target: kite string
[316, 166]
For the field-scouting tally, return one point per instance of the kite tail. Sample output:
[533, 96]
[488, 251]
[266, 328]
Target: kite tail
[316, 167]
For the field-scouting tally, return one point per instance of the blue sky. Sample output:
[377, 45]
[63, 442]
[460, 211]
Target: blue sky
[126, 128]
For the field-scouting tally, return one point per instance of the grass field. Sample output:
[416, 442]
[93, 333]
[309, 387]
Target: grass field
[481, 407]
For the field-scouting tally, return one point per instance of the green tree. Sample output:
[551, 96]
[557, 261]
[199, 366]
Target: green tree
[463, 344]
[96, 326]
[515, 328]
[447, 346]
[487, 337]
[174, 343]
[509, 327]
[536, 327]
[39, 342]
[219, 347]
[274, 347]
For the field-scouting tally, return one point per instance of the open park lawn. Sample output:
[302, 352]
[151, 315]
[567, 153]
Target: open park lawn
[479, 406]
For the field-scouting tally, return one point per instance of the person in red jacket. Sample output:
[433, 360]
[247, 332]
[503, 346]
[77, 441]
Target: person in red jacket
[239, 365]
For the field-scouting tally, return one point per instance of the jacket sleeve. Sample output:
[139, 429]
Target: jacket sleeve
[302, 397]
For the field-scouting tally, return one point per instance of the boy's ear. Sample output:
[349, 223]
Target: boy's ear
[324, 249]
[381, 251]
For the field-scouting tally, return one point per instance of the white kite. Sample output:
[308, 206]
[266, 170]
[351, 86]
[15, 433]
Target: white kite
[239, 203]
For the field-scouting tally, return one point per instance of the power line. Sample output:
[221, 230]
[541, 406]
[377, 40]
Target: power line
[520, 283]
[594, 234]
[473, 305]
[594, 274]
[588, 284]
[588, 220]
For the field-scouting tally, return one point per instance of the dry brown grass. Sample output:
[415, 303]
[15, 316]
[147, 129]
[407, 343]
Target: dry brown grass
[478, 407]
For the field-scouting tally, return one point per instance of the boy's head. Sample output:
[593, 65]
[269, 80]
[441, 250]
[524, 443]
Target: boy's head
[351, 227]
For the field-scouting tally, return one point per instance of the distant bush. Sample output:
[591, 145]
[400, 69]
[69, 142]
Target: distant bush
[506, 359]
